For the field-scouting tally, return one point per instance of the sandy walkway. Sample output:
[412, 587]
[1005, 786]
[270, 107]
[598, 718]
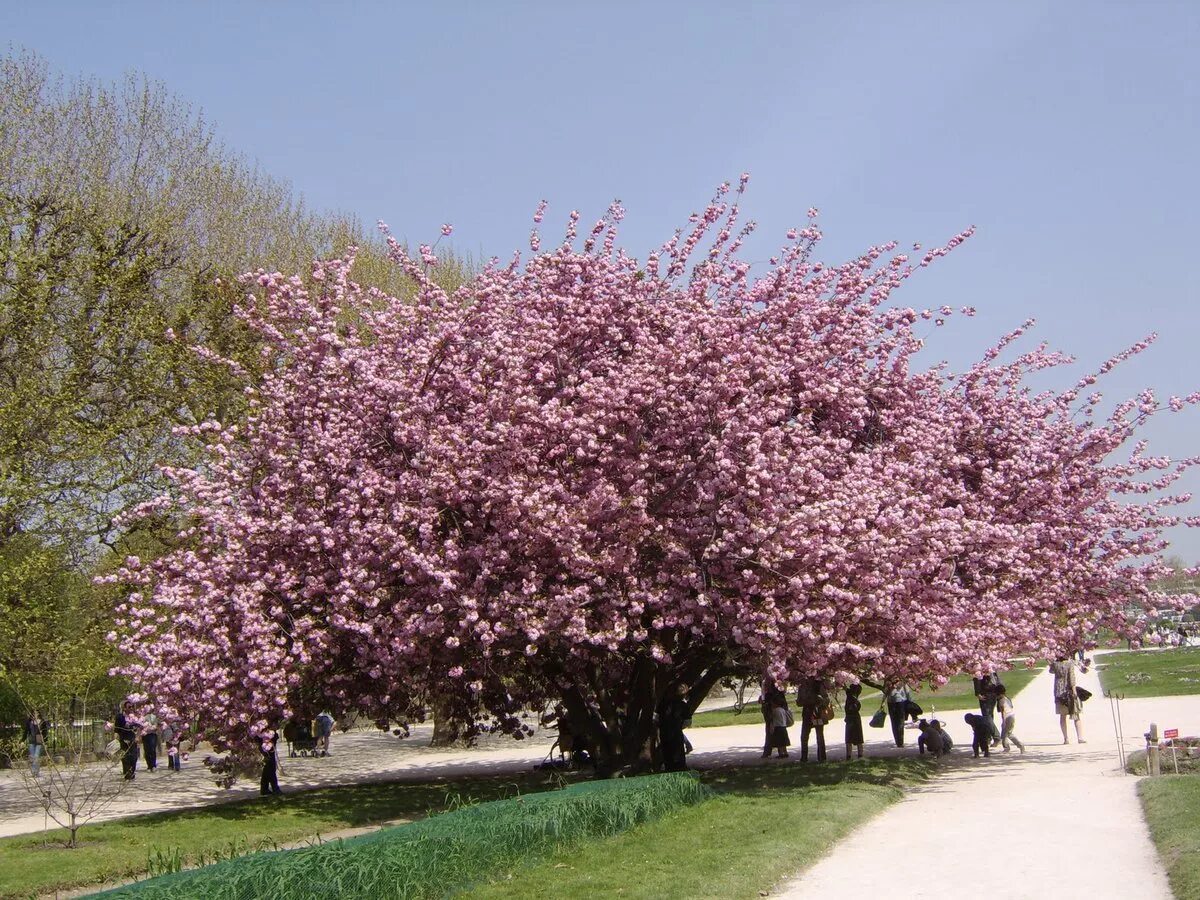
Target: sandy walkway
[1058, 821]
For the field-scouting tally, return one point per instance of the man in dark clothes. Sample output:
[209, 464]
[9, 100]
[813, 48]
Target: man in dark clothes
[126, 730]
[981, 734]
[811, 697]
[269, 783]
[672, 713]
[986, 693]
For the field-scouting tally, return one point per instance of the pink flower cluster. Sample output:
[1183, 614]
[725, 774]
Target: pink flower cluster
[590, 469]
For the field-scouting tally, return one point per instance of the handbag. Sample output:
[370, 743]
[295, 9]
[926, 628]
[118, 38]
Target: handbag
[1082, 693]
[912, 708]
[878, 719]
[788, 719]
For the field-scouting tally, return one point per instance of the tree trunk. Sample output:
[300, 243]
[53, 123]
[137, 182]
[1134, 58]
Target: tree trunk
[619, 722]
[445, 732]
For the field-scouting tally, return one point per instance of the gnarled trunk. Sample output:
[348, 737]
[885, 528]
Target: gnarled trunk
[617, 721]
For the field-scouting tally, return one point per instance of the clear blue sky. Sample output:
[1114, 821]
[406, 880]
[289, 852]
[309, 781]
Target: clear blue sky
[1067, 132]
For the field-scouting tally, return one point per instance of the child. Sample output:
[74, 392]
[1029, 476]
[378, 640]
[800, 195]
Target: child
[933, 738]
[1008, 720]
[854, 731]
[780, 716]
[981, 731]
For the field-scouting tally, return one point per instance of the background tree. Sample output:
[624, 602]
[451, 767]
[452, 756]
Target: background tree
[122, 225]
[596, 479]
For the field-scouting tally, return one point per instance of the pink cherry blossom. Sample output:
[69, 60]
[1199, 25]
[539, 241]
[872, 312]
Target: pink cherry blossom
[588, 479]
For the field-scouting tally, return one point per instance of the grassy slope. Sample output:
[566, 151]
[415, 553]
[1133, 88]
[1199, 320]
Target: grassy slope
[115, 850]
[957, 693]
[767, 822]
[1152, 673]
[1172, 808]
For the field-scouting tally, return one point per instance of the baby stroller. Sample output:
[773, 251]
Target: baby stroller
[299, 737]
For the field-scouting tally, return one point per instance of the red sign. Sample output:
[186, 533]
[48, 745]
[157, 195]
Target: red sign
[1170, 733]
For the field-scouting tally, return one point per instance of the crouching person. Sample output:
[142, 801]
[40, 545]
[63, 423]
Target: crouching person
[981, 733]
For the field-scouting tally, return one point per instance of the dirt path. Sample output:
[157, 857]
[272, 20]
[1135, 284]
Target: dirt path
[1057, 821]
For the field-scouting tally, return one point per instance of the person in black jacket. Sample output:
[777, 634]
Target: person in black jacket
[981, 733]
[986, 693]
[268, 747]
[127, 736]
[812, 697]
[672, 713]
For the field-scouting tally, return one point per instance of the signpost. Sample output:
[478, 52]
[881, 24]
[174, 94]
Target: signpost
[1169, 734]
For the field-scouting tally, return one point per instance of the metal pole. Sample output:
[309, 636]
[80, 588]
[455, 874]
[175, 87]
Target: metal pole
[1121, 731]
[1113, 708]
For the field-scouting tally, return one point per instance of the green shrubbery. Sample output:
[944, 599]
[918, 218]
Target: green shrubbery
[430, 857]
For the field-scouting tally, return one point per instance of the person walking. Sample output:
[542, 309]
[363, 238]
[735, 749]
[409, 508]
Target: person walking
[268, 784]
[127, 735]
[854, 728]
[812, 698]
[324, 728]
[1066, 700]
[1008, 720]
[150, 742]
[898, 699]
[36, 729]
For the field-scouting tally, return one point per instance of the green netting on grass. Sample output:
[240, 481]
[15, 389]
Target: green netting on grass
[429, 858]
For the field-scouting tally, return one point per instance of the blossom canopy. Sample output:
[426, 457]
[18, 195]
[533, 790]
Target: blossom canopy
[593, 478]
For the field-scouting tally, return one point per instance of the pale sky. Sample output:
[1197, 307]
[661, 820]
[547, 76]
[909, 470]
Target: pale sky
[1065, 131]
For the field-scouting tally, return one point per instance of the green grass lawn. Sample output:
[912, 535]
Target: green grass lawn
[1172, 808]
[1151, 673]
[767, 822]
[957, 693]
[33, 864]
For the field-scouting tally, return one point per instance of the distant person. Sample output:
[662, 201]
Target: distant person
[781, 720]
[324, 728]
[169, 738]
[672, 713]
[853, 718]
[985, 693]
[812, 698]
[1008, 720]
[150, 742]
[933, 738]
[36, 729]
[981, 734]
[268, 784]
[127, 736]
[1066, 700]
[898, 699]
[766, 704]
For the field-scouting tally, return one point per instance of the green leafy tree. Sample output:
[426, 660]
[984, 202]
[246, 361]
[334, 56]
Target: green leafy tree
[123, 226]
